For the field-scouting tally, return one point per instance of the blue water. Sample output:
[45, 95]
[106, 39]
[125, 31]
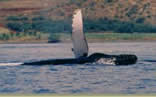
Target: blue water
[139, 78]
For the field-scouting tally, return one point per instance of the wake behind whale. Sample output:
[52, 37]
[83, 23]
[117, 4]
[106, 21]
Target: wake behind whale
[11, 64]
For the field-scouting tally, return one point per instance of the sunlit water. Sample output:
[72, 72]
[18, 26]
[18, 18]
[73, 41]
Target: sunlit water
[139, 78]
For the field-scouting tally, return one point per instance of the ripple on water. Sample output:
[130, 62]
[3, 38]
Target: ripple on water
[47, 91]
[88, 78]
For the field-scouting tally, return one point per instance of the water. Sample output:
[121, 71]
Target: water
[139, 78]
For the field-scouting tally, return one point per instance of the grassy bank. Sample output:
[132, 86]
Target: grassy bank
[66, 37]
[121, 36]
[23, 37]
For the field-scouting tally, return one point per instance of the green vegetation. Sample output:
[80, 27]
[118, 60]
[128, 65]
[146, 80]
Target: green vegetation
[32, 36]
[29, 27]
[15, 18]
[25, 24]
[66, 37]
[127, 19]
[41, 24]
[117, 26]
[121, 36]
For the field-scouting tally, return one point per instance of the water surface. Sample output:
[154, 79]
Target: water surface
[139, 78]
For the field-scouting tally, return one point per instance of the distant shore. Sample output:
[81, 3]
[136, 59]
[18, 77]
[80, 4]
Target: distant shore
[91, 37]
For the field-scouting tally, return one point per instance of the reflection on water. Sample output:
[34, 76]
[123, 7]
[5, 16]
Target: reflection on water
[139, 78]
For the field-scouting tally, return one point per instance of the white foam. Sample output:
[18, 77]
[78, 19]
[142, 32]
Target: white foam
[10, 64]
[108, 61]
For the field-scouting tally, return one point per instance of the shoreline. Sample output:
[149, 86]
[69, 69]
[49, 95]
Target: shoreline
[89, 41]
[99, 37]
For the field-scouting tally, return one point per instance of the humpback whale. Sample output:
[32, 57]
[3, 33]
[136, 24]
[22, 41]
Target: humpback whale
[80, 50]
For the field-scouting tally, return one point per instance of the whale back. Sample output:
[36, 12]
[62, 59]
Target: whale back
[80, 46]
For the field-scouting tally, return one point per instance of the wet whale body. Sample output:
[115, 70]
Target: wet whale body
[98, 58]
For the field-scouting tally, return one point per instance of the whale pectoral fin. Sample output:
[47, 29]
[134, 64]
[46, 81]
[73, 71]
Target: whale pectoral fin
[80, 45]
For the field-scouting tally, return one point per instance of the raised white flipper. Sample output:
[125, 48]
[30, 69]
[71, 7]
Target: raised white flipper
[80, 46]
